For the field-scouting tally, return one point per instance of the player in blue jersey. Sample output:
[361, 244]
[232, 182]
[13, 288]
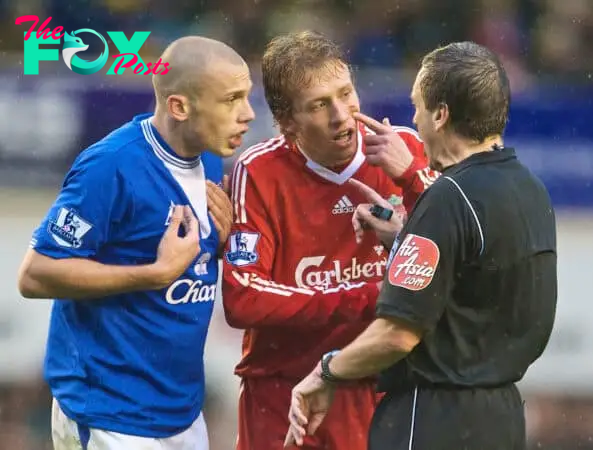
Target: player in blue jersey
[129, 253]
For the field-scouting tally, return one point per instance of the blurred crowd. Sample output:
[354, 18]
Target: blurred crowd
[537, 38]
[540, 41]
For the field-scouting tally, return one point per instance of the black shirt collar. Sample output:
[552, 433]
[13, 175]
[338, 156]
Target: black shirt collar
[496, 155]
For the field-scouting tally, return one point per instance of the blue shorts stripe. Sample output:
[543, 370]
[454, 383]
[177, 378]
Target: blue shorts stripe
[84, 433]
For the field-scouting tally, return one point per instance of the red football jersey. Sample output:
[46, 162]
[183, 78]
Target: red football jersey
[294, 277]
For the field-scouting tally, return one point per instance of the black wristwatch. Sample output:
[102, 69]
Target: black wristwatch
[326, 374]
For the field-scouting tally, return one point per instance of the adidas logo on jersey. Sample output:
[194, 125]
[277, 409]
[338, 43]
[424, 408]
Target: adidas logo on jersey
[344, 206]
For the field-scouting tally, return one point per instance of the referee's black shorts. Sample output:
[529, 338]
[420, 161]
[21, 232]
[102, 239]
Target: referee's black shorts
[450, 419]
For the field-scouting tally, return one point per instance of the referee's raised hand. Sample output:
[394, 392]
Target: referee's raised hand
[385, 148]
[362, 219]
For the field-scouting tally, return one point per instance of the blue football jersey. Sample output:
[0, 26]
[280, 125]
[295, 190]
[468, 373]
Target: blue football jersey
[130, 363]
[213, 166]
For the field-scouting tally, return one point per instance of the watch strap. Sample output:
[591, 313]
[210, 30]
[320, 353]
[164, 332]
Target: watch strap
[326, 374]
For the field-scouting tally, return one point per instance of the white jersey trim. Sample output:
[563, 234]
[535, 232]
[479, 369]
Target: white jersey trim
[347, 173]
[413, 420]
[239, 178]
[473, 211]
[160, 152]
[253, 281]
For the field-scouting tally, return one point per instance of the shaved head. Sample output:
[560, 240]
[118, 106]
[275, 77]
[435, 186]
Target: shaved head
[192, 60]
[202, 99]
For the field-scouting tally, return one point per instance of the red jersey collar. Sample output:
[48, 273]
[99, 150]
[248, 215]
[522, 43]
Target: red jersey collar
[330, 175]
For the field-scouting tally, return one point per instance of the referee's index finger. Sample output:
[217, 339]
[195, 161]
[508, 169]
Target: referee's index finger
[376, 126]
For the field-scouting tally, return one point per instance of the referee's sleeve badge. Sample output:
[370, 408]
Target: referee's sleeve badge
[415, 263]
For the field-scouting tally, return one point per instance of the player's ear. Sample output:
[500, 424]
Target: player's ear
[178, 107]
[288, 127]
[440, 116]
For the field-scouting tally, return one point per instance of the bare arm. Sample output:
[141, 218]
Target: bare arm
[76, 278]
[382, 344]
[79, 278]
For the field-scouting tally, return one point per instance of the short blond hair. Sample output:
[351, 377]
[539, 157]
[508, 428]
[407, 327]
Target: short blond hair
[287, 64]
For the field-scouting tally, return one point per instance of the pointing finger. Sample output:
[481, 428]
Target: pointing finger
[376, 126]
[290, 440]
[293, 437]
[370, 193]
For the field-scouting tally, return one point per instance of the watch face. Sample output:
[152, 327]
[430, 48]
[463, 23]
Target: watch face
[328, 356]
[331, 354]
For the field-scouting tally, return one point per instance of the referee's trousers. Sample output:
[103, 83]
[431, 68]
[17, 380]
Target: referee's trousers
[450, 419]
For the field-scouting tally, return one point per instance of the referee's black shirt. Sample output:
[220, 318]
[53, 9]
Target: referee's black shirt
[475, 268]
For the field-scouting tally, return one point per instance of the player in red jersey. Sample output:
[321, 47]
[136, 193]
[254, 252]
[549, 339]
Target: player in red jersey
[295, 277]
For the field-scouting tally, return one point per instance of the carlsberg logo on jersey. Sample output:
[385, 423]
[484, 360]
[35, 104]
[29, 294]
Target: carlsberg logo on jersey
[306, 276]
[190, 291]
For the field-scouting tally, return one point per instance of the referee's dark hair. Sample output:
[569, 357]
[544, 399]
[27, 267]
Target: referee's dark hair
[472, 82]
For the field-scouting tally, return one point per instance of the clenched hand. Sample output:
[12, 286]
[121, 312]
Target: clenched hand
[175, 253]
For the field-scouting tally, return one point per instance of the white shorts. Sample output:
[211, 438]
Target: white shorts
[66, 436]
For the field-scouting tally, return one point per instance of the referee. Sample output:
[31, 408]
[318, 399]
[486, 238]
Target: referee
[469, 297]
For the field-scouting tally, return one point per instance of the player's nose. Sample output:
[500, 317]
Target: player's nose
[340, 113]
[247, 113]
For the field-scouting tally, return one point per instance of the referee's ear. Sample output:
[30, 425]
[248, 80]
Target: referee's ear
[441, 116]
[178, 107]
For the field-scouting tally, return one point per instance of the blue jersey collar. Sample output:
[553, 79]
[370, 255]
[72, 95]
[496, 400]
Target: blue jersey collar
[160, 147]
